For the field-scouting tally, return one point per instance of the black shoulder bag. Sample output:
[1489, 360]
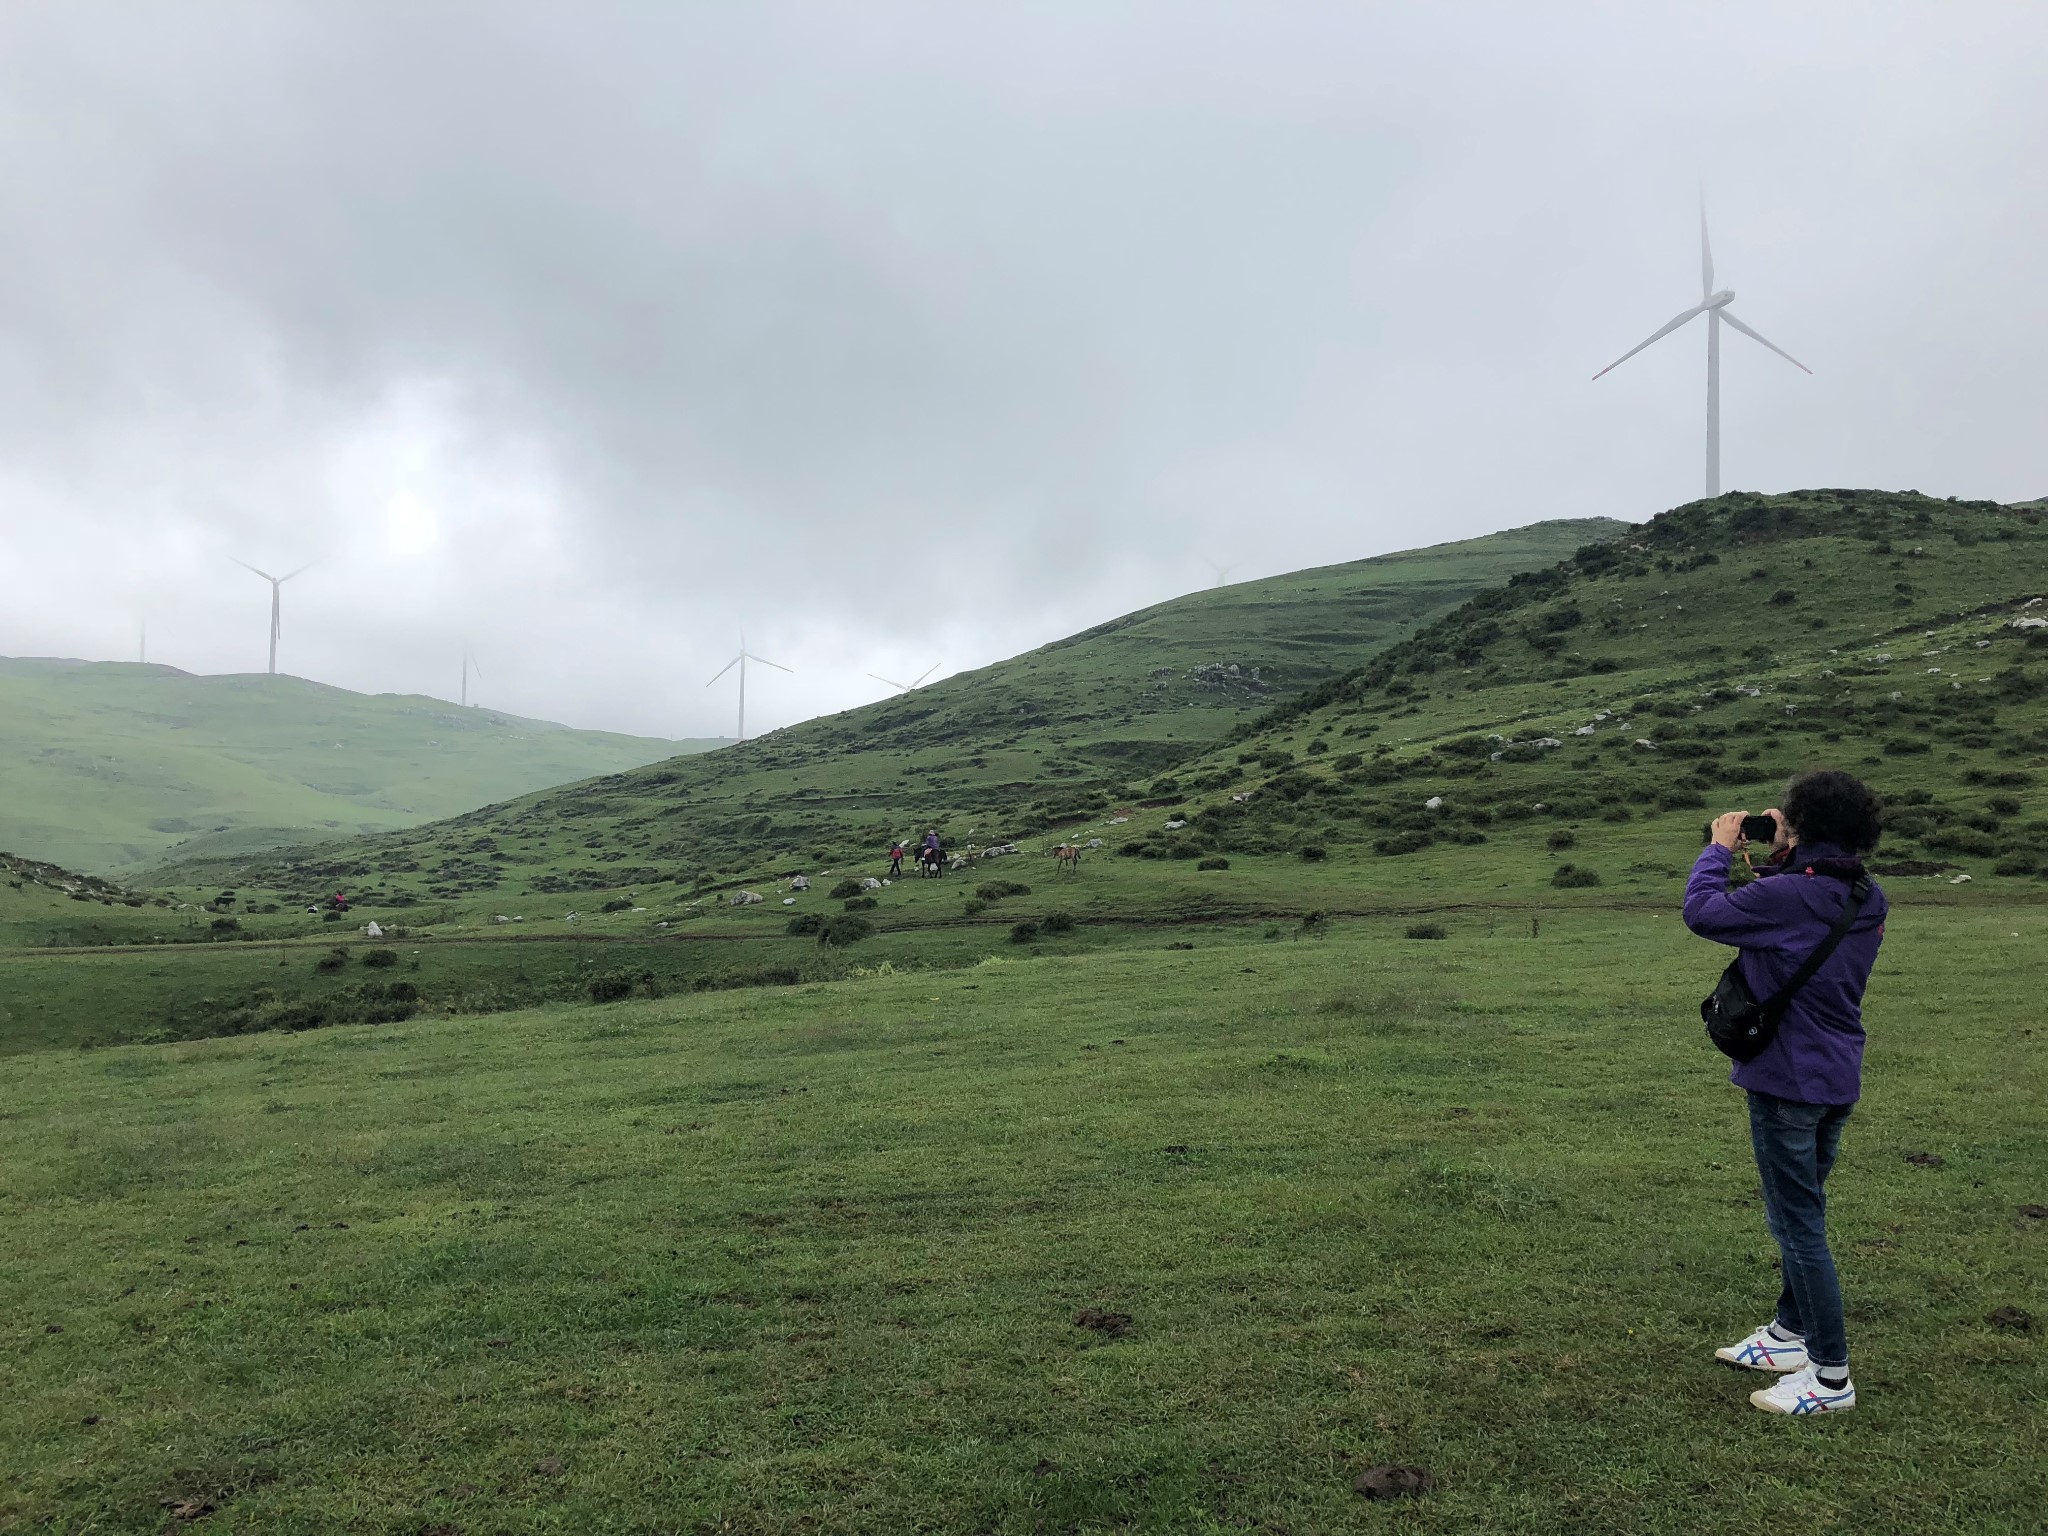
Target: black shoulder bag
[1742, 1027]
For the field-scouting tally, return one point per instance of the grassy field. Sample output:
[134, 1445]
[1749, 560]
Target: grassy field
[111, 765]
[810, 1259]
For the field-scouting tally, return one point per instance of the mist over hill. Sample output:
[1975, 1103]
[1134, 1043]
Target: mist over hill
[112, 765]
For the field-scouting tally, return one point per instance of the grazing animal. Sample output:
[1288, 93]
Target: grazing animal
[1068, 858]
[931, 863]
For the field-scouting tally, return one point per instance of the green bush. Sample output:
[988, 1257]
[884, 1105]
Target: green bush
[1427, 931]
[380, 959]
[333, 960]
[1214, 863]
[1024, 932]
[1315, 853]
[1058, 922]
[996, 890]
[844, 889]
[1561, 839]
[225, 925]
[617, 904]
[862, 904]
[609, 989]
[848, 928]
[805, 923]
[2003, 805]
[1568, 876]
[975, 907]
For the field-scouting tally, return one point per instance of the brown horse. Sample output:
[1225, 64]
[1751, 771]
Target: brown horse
[1068, 857]
[931, 863]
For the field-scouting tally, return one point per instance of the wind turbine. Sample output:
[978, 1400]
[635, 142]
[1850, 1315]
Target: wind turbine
[468, 666]
[741, 661]
[905, 687]
[1714, 305]
[1222, 571]
[276, 619]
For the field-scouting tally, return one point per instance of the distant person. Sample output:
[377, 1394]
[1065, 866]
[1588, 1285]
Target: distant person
[895, 858]
[931, 841]
[1804, 1083]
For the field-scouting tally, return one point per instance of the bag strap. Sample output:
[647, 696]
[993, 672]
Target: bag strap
[1859, 894]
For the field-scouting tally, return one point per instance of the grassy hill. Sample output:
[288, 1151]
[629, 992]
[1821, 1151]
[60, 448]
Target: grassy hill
[112, 765]
[1348, 1106]
[1046, 736]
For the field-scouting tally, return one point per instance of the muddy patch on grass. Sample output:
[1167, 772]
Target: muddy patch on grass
[1111, 1325]
[1394, 1482]
[1925, 1159]
[2016, 1319]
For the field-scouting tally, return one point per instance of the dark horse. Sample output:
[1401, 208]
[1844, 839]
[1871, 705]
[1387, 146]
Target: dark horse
[931, 863]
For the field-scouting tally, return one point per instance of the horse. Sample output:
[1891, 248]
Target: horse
[1068, 858]
[931, 863]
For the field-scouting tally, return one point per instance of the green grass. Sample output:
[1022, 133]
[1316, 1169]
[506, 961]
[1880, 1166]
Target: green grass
[111, 766]
[809, 1259]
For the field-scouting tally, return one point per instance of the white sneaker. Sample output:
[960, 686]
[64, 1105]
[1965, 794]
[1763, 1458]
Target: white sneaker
[1801, 1394]
[1765, 1351]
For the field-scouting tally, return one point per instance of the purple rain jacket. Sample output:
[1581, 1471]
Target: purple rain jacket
[1777, 921]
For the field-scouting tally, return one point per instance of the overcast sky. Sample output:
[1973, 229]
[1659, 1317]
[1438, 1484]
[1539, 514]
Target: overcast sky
[587, 334]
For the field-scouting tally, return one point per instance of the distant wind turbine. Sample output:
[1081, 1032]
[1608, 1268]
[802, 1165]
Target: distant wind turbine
[741, 661]
[276, 618]
[142, 643]
[1714, 305]
[1222, 571]
[468, 666]
[905, 687]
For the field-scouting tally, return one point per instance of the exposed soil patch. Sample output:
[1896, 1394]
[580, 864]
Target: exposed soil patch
[188, 1509]
[1111, 1325]
[1924, 1159]
[1394, 1482]
[2034, 1212]
[2015, 1318]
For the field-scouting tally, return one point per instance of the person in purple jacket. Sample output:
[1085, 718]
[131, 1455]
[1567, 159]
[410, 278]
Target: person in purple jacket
[1805, 1083]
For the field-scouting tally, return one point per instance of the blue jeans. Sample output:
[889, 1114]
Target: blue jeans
[1795, 1147]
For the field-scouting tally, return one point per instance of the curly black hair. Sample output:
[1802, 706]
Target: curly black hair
[1827, 805]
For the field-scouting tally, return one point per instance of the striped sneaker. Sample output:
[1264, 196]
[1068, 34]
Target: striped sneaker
[1802, 1395]
[1765, 1351]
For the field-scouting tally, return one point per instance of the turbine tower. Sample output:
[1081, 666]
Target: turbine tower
[906, 687]
[276, 616]
[1714, 305]
[468, 666]
[741, 661]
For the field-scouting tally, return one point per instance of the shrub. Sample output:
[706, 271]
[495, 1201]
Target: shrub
[996, 890]
[2016, 864]
[1427, 931]
[844, 889]
[609, 989]
[380, 959]
[617, 904]
[862, 904]
[975, 906]
[805, 923]
[1318, 747]
[1024, 932]
[847, 928]
[2004, 805]
[1214, 863]
[1903, 746]
[1784, 597]
[1568, 876]
[1562, 838]
[1680, 799]
[1402, 842]
[333, 960]
[1058, 922]
[1315, 853]
[1316, 924]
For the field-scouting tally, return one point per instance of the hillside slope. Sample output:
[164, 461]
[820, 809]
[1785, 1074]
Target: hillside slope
[1026, 742]
[110, 765]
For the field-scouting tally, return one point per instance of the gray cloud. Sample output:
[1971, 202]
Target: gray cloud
[587, 335]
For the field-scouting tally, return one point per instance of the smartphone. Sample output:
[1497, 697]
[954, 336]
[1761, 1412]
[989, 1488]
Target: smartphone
[1760, 829]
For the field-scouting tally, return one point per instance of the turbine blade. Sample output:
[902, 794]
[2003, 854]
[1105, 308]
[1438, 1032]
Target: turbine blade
[764, 661]
[1706, 254]
[1657, 335]
[1754, 336]
[245, 565]
[299, 572]
[927, 672]
[723, 670]
[905, 687]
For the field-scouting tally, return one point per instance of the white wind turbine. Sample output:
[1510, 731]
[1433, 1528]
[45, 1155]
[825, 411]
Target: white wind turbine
[1714, 305]
[1222, 571]
[741, 661]
[276, 619]
[906, 687]
[468, 666]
